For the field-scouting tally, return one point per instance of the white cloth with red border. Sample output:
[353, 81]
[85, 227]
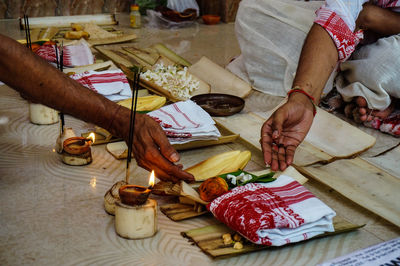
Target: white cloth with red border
[112, 84]
[338, 17]
[275, 213]
[73, 55]
[185, 121]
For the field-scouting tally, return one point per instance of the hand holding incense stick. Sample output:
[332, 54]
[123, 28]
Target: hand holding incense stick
[45, 84]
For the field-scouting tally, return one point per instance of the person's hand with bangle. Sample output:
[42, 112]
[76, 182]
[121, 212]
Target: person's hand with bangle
[283, 132]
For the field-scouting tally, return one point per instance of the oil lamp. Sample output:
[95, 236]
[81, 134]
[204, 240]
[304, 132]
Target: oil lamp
[135, 213]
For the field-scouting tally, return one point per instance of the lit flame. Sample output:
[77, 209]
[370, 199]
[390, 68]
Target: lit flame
[92, 136]
[152, 179]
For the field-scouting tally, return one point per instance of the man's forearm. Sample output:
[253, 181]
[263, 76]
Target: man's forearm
[379, 20]
[41, 82]
[318, 59]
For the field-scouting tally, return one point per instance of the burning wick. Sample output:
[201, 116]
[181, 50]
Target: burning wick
[91, 138]
[152, 179]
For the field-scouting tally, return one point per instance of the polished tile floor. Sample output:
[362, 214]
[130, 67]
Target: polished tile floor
[52, 213]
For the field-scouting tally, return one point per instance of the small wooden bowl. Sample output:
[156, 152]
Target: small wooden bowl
[133, 195]
[211, 19]
[219, 104]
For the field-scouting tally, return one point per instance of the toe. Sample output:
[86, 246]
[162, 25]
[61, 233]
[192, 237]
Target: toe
[361, 102]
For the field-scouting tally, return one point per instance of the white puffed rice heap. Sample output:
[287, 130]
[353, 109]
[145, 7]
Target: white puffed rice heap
[174, 79]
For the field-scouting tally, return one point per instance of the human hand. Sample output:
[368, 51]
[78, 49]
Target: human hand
[153, 151]
[283, 132]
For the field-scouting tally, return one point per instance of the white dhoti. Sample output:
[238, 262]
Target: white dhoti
[373, 73]
[271, 34]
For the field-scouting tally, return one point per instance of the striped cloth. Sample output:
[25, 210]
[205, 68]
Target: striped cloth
[273, 214]
[185, 121]
[73, 55]
[110, 83]
[339, 17]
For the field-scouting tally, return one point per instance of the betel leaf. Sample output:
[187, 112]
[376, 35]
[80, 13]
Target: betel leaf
[266, 178]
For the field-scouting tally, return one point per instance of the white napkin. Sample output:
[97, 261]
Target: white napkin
[185, 121]
[110, 83]
[273, 214]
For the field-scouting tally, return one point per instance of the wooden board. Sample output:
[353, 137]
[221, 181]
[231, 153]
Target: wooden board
[178, 211]
[363, 183]
[388, 161]
[333, 135]
[209, 238]
[248, 126]
[110, 40]
[97, 66]
[117, 59]
[329, 138]
[65, 21]
[220, 79]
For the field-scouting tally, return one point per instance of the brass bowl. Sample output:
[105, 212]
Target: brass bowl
[218, 104]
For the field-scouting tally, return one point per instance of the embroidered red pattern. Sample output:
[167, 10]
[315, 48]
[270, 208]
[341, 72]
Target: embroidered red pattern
[253, 207]
[344, 39]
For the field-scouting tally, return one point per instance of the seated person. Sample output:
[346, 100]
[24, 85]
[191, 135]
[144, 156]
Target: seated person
[269, 41]
[40, 82]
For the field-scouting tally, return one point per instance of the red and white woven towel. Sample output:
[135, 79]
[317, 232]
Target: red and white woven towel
[73, 55]
[273, 214]
[185, 121]
[110, 83]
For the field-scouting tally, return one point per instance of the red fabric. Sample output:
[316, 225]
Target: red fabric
[390, 125]
[344, 39]
[249, 208]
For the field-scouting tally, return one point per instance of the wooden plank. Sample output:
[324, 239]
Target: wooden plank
[363, 183]
[178, 211]
[388, 161]
[248, 126]
[333, 135]
[110, 40]
[209, 238]
[117, 59]
[97, 66]
[220, 79]
[65, 21]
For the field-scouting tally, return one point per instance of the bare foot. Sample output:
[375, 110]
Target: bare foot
[366, 115]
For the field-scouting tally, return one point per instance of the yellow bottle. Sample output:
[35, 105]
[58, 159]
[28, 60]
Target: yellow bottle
[134, 16]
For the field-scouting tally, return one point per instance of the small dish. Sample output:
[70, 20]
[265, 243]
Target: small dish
[218, 104]
[211, 19]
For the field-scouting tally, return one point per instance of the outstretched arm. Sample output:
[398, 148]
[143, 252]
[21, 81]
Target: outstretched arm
[40, 82]
[288, 126]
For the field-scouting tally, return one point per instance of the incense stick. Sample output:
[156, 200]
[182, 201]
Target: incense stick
[135, 92]
[29, 32]
[62, 69]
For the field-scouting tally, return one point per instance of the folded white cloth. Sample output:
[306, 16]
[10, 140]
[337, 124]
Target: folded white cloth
[73, 55]
[185, 121]
[110, 83]
[273, 214]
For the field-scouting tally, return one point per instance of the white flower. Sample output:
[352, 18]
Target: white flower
[177, 81]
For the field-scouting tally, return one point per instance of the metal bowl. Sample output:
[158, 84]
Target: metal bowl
[218, 104]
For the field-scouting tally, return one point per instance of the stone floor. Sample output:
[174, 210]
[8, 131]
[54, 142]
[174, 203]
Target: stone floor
[51, 213]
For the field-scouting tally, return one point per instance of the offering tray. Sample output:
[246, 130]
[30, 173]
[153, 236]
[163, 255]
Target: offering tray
[209, 238]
